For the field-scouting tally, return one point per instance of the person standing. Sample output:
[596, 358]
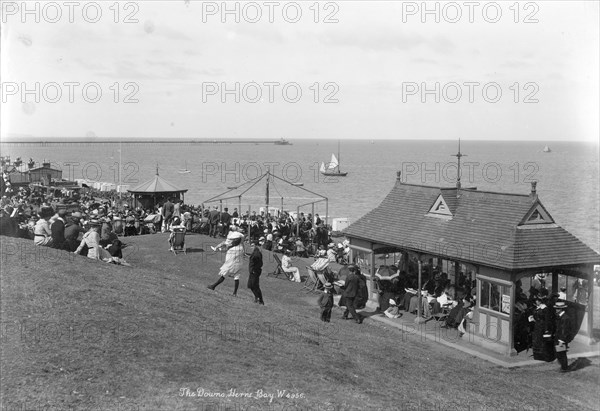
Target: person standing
[326, 302]
[232, 265]
[350, 294]
[255, 269]
[543, 330]
[225, 222]
[213, 221]
[167, 213]
[563, 336]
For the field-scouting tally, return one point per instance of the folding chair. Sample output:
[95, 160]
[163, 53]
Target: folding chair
[312, 281]
[279, 269]
[443, 315]
[178, 242]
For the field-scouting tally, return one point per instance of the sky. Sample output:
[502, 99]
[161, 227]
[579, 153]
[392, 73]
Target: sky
[339, 70]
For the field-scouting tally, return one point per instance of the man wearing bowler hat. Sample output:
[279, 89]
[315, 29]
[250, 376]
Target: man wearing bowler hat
[563, 336]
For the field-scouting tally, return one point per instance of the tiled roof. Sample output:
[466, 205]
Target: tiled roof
[484, 229]
[156, 185]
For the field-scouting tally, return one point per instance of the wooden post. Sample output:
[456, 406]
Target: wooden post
[419, 295]
[590, 306]
[511, 343]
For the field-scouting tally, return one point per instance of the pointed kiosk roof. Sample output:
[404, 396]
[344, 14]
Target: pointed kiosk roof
[156, 185]
[508, 231]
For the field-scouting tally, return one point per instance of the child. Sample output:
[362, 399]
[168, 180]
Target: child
[233, 234]
[326, 303]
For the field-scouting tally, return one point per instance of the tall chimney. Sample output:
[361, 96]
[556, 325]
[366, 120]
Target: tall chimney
[399, 176]
[533, 189]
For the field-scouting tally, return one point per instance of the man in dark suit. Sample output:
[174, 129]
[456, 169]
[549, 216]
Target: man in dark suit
[225, 221]
[255, 269]
[58, 230]
[213, 221]
[563, 336]
[167, 212]
[350, 294]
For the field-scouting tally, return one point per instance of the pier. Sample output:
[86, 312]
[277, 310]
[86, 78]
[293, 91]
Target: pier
[129, 141]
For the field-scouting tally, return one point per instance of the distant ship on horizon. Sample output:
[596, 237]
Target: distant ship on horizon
[282, 142]
[546, 149]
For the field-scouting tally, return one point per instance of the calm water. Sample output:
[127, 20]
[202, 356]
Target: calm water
[568, 183]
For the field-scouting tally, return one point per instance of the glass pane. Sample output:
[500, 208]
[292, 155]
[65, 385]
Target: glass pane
[485, 295]
[495, 297]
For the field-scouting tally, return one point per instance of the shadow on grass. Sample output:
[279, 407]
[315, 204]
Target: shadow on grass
[195, 250]
[580, 363]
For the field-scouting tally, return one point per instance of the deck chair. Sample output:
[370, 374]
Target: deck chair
[322, 279]
[178, 242]
[312, 281]
[278, 269]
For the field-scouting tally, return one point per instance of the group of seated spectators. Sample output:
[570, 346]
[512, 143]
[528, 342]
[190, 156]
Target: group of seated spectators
[452, 303]
[88, 232]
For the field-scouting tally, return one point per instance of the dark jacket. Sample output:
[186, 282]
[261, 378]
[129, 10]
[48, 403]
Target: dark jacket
[213, 217]
[326, 300]
[58, 233]
[564, 328]
[167, 209]
[351, 285]
[225, 218]
[256, 262]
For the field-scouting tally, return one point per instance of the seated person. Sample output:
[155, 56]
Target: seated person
[331, 253]
[234, 234]
[107, 235]
[300, 249]
[116, 248]
[392, 311]
[91, 240]
[443, 301]
[286, 265]
[177, 226]
[457, 314]
[42, 232]
[414, 303]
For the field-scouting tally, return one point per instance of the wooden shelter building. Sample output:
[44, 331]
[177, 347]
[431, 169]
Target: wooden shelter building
[499, 240]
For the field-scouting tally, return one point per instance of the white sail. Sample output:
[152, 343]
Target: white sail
[334, 162]
[322, 169]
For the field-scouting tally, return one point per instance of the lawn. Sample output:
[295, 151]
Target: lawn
[83, 335]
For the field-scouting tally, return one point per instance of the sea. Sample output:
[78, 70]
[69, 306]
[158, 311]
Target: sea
[567, 177]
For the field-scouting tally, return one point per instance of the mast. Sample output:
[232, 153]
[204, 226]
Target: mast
[458, 171]
[120, 166]
[267, 195]
[339, 160]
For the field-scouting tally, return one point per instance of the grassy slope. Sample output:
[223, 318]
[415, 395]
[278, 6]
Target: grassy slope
[86, 335]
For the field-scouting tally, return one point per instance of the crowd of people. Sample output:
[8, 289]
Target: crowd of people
[542, 322]
[24, 214]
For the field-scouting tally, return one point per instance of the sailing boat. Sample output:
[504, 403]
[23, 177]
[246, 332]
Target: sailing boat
[547, 150]
[333, 168]
[185, 171]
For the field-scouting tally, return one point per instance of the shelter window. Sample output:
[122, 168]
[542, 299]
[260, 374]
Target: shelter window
[494, 297]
